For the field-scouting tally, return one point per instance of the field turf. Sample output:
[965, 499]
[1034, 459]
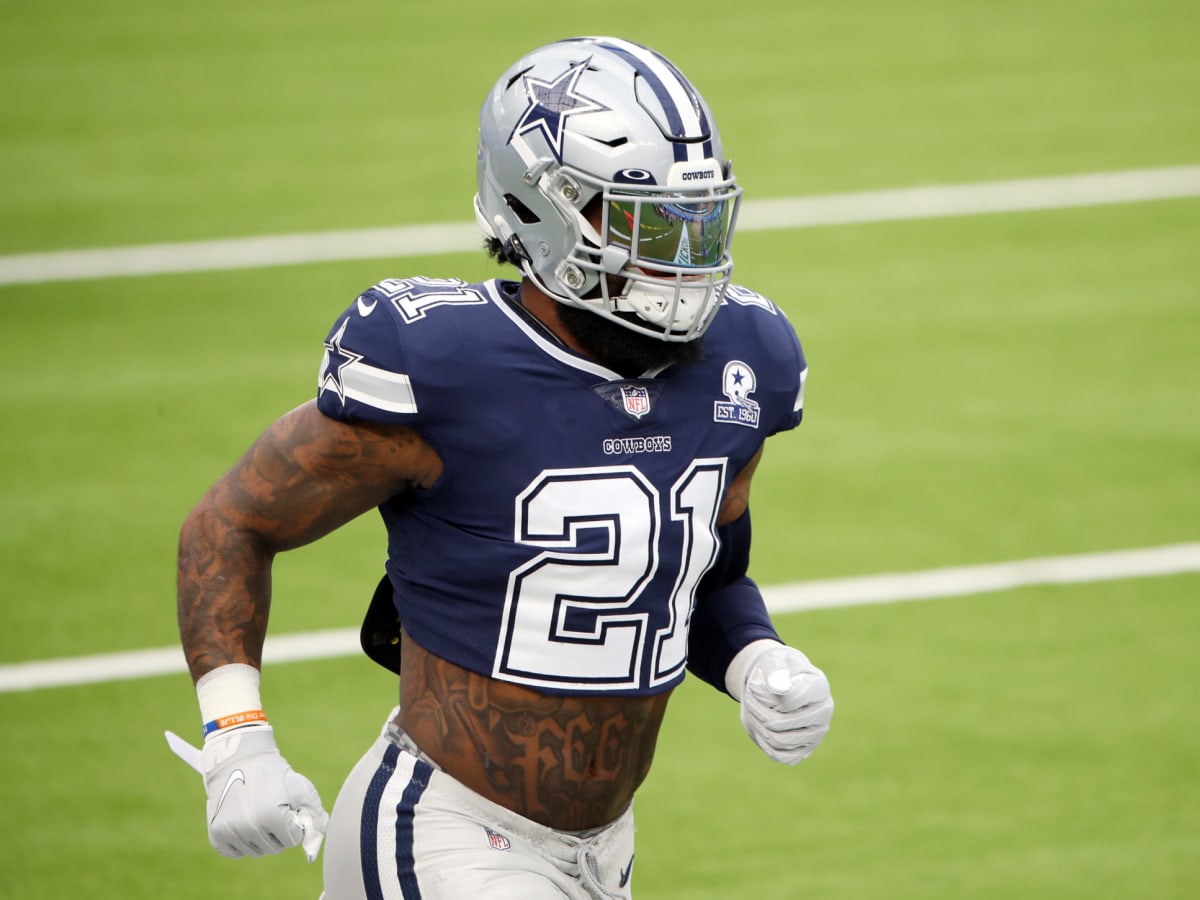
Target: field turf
[982, 389]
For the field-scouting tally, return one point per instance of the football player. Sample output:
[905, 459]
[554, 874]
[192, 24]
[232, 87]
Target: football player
[563, 466]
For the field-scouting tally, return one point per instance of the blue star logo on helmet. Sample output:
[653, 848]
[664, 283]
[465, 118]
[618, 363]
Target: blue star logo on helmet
[551, 103]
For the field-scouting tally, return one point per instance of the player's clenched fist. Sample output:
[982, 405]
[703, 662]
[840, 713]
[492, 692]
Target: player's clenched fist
[786, 702]
[256, 803]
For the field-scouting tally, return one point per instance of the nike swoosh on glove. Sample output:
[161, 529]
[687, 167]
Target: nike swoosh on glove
[786, 704]
[257, 804]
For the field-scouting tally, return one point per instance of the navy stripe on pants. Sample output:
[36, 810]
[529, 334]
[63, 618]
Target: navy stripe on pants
[368, 826]
[405, 863]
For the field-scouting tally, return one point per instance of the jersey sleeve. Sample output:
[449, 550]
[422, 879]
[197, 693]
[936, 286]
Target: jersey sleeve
[792, 374]
[363, 372]
[778, 370]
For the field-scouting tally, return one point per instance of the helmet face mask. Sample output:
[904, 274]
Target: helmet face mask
[599, 164]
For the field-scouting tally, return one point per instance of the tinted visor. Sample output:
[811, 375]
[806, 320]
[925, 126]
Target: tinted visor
[670, 232]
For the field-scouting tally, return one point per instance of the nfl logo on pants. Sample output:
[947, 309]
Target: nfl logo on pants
[497, 841]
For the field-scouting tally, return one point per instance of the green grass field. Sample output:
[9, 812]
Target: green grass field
[982, 389]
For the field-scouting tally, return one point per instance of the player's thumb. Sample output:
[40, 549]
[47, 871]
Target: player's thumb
[772, 676]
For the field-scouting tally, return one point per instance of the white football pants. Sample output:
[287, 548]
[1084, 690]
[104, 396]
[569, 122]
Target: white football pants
[402, 829]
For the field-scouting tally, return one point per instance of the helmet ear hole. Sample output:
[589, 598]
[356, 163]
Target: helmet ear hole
[523, 212]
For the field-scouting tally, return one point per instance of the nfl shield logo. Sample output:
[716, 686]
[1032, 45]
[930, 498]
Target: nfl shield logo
[636, 399]
[497, 841]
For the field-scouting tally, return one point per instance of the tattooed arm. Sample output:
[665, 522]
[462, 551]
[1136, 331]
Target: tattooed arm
[737, 495]
[305, 476]
[785, 701]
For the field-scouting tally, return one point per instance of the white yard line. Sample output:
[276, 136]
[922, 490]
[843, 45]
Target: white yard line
[964, 580]
[890, 588]
[426, 240]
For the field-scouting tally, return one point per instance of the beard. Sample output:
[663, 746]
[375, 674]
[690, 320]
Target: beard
[626, 352]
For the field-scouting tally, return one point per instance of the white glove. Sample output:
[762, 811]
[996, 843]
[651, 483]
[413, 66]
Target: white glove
[256, 803]
[786, 704]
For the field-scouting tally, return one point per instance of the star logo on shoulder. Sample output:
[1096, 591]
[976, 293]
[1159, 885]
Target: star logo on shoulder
[336, 359]
[551, 103]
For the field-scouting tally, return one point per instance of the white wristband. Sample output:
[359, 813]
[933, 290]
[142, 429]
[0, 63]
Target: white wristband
[739, 666]
[229, 696]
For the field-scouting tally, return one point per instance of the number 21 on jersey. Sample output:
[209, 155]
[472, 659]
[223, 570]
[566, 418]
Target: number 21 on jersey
[579, 618]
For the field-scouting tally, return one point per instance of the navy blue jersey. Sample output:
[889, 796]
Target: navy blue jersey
[562, 546]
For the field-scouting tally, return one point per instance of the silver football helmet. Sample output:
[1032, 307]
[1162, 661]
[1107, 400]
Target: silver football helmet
[600, 170]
